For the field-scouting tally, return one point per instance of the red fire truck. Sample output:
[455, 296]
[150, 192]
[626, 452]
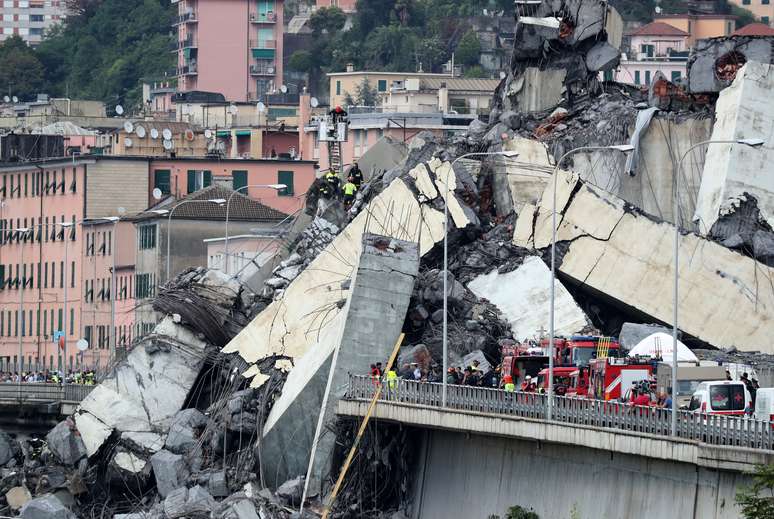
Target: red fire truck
[611, 378]
[578, 350]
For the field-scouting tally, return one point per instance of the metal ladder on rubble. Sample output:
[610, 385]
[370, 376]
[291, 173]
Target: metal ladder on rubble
[603, 347]
[334, 157]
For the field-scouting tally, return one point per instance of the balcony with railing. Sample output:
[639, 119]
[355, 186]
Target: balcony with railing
[190, 69]
[187, 17]
[263, 17]
[263, 69]
[263, 44]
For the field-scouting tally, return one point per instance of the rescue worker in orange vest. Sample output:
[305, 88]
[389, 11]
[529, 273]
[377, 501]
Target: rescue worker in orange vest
[509, 387]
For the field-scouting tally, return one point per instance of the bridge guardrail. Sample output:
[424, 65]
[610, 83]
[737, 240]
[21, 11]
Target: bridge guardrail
[711, 429]
[31, 391]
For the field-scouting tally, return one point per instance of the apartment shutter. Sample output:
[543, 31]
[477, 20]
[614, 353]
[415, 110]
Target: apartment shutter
[207, 179]
[161, 180]
[191, 181]
[239, 179]
[286, 177]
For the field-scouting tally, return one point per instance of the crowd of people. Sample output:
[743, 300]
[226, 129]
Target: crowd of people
[88, 378]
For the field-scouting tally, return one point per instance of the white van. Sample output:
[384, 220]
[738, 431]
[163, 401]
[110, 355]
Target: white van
[764, 405]
[725, 397]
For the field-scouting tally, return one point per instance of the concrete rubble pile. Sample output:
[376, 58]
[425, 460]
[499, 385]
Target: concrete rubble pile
[228, 409]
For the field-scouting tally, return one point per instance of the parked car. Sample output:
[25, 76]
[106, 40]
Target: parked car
[722, 397]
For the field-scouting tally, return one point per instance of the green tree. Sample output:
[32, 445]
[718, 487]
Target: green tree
[301, 61]
[365, 95]
[327, 19]
[106, 48]
[476, 71]
[390, 48]
[21, 72]
[757, 501]
[469, 49]
[431, 52]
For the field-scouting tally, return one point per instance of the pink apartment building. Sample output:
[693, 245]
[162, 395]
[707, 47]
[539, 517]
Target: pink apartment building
[182, 176]
[61, 204]
[233, 47]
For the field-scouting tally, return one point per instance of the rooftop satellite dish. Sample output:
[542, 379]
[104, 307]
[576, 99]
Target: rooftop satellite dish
[119, 109]
[261, 107]
[7, 99]
[167, 134]
[284, 89]
[157, 194]
[15, 99]
[128, 127]
[314, 102]
[233, 110]
[658, 9]
[128, 142]
[208, 133]
[122, 210]
[82, 345]
[167, 144]
[154, 133]
[140, 131]
[502, 74]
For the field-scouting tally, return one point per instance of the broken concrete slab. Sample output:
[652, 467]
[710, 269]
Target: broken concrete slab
[46, 507]
[519, 182]
[65, 442]
[170, 471]
[743, 111]
[217, 484]
[538, 90]
[130, 463]
[630, 262]
[291, 491]
[293, 329]
[376, 310]
[709, 54]
[9, 448]
[523, 296]
[602, 56]
[175, 503]
[143, 441]
[93, 432]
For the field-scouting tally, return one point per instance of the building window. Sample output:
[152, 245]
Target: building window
[765, 19]
[765, 2]
[161, 181]
[746, 2]
[338, 88]
[647, 77]
[198, 180]
[238, 179]
[147, 237]
[676, 75]
[382, 85]
[285, 177]
[637, 77]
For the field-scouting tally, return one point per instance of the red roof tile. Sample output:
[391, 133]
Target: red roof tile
[658, 29]
[754, 29]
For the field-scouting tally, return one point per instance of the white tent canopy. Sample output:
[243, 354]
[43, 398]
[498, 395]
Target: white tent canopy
[660, 345]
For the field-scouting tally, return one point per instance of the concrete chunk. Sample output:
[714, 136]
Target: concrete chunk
[66, 443]
[170, 471]
[46, 507]
[17, 497]
[523, 296]
[602, 56]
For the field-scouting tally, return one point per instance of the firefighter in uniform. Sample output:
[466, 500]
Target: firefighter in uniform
[356, 175]
[349, 193]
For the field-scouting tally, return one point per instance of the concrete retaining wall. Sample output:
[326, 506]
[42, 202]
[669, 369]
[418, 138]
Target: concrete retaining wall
[462, 475]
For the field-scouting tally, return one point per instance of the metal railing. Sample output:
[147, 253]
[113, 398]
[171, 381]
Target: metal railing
[711, 429]
[190, 16]
[263, 70]
[263, 44]
[268, 17]
[42, 392]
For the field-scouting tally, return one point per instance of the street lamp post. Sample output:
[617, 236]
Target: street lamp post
[447, 193]
[753, 143]
[624, 148]
[277, 187]
[19, 323]
[218, 201]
